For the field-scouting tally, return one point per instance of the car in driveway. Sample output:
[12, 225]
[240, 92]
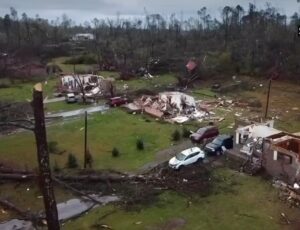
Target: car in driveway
[117, 101]
[186, 157]
[204, 133]
[217, 146]
[70, 98]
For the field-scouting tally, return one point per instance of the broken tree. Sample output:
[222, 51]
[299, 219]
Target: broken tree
[43, 159]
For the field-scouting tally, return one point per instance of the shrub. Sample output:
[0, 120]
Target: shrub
[72, 161]
[53, 147]
[115, 152]
[185, 132]
[176, 135]
[56, 167]
[140, 144]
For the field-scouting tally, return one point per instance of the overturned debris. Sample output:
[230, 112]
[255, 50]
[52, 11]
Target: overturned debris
[288, 193]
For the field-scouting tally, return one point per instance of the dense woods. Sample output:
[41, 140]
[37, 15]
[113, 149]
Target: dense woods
[247, 41]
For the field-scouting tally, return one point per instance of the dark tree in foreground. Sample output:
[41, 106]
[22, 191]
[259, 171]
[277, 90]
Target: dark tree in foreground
[46, 183]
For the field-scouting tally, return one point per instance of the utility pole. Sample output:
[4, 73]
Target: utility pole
[45, 179]
[85, 139]
[268, 98]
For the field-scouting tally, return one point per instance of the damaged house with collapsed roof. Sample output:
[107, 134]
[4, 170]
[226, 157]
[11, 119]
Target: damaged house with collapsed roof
[93, 85]
[263, 146]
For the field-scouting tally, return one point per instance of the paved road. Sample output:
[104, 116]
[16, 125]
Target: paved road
[78, 112]
[57, 99]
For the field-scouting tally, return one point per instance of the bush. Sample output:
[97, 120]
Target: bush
[56, 167]
[115, 152]
[176, 135]
[53, 147]
[72, 161]
[185, 133]
[140, 144]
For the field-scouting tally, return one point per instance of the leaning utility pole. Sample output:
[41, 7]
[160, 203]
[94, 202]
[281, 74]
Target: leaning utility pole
[85, 139]
[268, 98]
[45, 179]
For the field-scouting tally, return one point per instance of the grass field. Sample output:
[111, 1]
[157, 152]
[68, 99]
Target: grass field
[155, 83]
[112, 129]
[234, 205]
[67, 68]
[23, 91]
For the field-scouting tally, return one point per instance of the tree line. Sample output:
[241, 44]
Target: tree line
[242, 41]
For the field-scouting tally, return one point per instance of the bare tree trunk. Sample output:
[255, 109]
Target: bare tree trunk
[85, 139]
[43, 159]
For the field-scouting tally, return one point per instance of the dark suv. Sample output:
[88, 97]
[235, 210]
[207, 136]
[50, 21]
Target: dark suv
[204, 133]
[216, 146]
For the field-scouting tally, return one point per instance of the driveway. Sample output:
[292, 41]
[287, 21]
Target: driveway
[78, 112]
[166, 154]
[57, 99]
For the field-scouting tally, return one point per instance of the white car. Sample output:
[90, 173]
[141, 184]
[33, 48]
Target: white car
[71, 98]
[186, 157]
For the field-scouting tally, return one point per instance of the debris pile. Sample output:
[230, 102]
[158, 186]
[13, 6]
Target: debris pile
[192, 179]
[179, 107]
[288, 193]
[172, 106]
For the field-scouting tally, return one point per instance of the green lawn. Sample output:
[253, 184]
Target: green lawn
[115, 128]
[239, 202]
[23, 91]
[68, 68]
[111, 74]
[159, 81]
[205, 93]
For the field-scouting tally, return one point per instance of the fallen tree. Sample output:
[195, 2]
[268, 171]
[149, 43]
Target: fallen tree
[17, 176]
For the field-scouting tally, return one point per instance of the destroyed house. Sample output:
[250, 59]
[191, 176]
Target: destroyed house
[92, 85]
[282, 156]
[72, 83]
